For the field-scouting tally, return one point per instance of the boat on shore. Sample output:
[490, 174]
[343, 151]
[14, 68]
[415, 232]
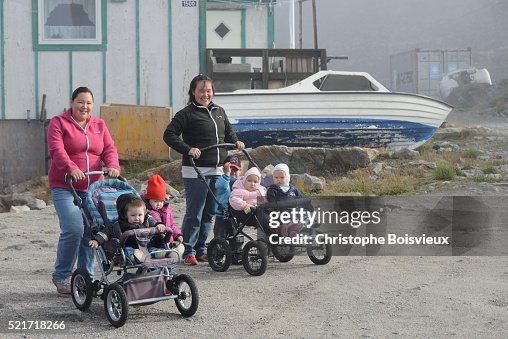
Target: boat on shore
[333, 109]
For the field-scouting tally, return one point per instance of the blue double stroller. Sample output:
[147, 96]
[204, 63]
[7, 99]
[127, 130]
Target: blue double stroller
[136, 283]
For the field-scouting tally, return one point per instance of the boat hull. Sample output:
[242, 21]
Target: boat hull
[334, 119]
[333, 133]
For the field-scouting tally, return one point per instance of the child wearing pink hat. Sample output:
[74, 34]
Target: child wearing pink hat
[245, 194]
[158, 207]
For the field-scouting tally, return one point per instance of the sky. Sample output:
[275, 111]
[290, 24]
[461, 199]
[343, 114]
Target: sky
[369, 31]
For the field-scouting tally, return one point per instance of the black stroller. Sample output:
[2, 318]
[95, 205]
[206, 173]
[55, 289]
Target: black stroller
[138, 283]
[254, 254]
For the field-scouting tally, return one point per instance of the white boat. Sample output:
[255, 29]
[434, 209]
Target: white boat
[463, 77]
[333, 109]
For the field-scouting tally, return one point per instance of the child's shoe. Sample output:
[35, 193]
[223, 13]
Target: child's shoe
[203, 258]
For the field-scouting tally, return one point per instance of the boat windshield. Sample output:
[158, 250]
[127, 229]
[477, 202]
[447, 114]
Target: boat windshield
[344, 82]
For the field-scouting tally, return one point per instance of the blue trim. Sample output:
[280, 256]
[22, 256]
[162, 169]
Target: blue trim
[330, 132]
[104, 80]
[243, 23]
[70, 74]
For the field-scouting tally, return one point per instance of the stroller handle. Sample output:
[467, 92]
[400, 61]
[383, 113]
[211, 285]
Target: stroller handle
[224, 145]
[200, 175]
[77, 199]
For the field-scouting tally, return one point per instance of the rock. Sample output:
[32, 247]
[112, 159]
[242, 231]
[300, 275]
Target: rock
[404, 154]
[503, 168]
[37, 204]
[310, 183]
[339, 161]
[472, 173]
[376, 167]
[266, 155]
[4, 207]
[19, 209]
[305, 160]
[496, 177]
[427, 164]
[313, 159]
[483, 158]
[171, 191]
[170, 172]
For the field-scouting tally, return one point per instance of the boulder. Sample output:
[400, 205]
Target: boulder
[331, 161]
[310, 182]
[19, 209]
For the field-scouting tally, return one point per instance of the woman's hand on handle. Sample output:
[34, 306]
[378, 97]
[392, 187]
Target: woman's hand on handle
[113, 172]
[240, 145]
[77, 175]
[194, 152]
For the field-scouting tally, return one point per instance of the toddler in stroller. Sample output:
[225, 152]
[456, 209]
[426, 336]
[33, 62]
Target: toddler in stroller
[124, 239]
[132, 215]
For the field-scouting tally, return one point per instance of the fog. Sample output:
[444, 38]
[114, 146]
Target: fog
[369, 31]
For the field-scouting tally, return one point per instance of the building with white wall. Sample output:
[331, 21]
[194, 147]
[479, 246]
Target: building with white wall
[141, 52]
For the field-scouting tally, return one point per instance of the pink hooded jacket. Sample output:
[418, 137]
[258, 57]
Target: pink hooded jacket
[71, 147]
[240, 199]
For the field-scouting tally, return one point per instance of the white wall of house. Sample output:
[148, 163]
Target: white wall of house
[126, 72]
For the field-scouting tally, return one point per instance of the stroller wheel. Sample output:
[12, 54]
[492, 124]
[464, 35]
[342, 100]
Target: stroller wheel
[255, 258]
[319, 254]
[283, 253]
[219, 255]
[115, 305]
[187, 299]
[81, 289]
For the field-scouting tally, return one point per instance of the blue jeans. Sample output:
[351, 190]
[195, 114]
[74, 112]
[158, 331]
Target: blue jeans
[199, 211]
[74, 238]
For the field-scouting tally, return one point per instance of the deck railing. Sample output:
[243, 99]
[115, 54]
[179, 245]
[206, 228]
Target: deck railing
[262, 68]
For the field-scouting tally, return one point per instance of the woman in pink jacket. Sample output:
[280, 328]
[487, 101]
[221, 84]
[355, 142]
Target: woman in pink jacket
[245, 194]
[77, 143]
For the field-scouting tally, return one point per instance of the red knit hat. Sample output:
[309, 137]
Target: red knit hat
[156, 188]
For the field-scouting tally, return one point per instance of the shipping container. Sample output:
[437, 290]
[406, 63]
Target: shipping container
[420, 70]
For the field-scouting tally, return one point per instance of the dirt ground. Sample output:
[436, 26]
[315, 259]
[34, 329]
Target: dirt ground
[352, 296]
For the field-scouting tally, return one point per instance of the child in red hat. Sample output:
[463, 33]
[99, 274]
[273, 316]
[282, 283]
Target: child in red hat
[158, 207]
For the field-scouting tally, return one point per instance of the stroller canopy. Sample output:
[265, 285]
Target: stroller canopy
[101, 199]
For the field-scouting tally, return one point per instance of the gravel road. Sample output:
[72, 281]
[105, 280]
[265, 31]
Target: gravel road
[349, 297]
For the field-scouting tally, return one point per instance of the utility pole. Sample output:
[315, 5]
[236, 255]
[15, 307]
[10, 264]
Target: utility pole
[314, 23]
[292, 34]
[300, 40]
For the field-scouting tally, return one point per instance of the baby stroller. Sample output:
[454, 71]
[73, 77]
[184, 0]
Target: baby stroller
[137, 283]
[254, 254]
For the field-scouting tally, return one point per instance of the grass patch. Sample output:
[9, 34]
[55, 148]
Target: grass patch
[389, 184]
[490, 170]
[483, 178]
[471, 153]
[444, 172]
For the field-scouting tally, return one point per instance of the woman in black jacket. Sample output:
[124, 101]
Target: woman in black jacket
[201, 123]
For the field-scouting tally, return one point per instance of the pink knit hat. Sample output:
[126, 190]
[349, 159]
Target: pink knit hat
[156, 188]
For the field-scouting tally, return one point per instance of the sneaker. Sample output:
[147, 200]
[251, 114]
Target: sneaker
[190, 260]
[203, 258]
[63, 286]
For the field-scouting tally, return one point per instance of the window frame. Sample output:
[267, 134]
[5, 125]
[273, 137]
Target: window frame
[41, 44]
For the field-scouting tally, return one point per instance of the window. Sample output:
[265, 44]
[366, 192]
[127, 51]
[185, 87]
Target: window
[71, 23]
